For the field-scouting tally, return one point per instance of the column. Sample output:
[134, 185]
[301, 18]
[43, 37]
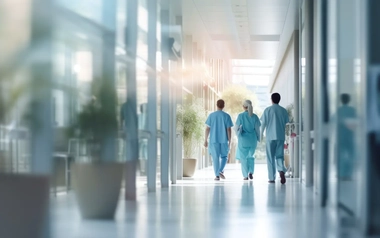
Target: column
[165, 98]
[41, 127]
[297, 66]
[371, 145]
[131, 130]
[322, 115]
[42, 74]
[173, 129]
[152, 95]
[309, 92]
[108, 96]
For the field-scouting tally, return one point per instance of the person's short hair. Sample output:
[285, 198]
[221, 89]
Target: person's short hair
[345, 98]
[276, 98]
[220, 103]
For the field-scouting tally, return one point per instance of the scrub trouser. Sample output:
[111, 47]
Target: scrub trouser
[219, 153]
[275, 157]
[247, 160]
[346, 162]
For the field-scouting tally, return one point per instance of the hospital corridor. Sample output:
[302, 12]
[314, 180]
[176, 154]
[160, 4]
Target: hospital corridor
[201, 207]
[189, 118]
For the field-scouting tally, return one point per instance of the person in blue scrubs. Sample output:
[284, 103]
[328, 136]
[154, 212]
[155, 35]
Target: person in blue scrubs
[218, 127]
[274, 120]
[346, 143]
[249, 126]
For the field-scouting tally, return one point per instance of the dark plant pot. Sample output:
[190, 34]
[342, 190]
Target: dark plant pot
[24, 204]
[97, 188]
[189, 165]
[5, 162]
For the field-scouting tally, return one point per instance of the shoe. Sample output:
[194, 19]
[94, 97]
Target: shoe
[271, 181]
[222, 175]
[282, 176]
[217, 178]
[246, 178]
[250, 175]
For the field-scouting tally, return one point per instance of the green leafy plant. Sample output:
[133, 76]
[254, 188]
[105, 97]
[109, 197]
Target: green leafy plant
[97, 122]
[234, 96]
[191, 118]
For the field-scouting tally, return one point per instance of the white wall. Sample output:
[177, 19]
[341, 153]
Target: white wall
[284, 81]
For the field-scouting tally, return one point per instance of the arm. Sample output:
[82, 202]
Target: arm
[237, 124]
[263, 125]
[229, 136]
[262, 132]
[207, 133]
[257, 129]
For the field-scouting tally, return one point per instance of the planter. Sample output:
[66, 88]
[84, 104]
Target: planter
[24, 204]
[97, 188]
[189, 165]
[5, 162]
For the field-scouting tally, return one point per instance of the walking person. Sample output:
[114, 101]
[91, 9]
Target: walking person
[274, 120]
[248, 131]
[218, 127]
[346, 141]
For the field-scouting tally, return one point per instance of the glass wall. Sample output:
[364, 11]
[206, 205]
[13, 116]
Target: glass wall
[88, 51]
[302, 92]
[346, 105]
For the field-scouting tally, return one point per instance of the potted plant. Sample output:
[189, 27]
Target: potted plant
[24, 196]
[97, 181]
[191, 118]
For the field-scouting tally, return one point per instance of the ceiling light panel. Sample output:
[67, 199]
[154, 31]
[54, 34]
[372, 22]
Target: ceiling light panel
[265, 37]
[268, 16]
[269, 28]
[210, 3]
[268, 3]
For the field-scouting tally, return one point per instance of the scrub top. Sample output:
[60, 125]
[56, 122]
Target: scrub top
[346, 135]
[274, 120]
[250, 127]
[218, 122]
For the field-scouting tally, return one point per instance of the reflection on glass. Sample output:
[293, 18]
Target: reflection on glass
[143, 141]
[346, 146]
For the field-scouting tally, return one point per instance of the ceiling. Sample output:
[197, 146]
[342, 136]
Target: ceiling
[236, 29]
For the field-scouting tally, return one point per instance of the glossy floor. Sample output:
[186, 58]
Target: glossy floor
[201, 207]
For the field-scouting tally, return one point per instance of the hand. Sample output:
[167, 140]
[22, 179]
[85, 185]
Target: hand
[205, 144]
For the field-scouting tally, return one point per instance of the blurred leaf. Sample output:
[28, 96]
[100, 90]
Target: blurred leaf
[235, 95]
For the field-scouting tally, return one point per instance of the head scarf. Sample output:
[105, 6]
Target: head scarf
[248, 104]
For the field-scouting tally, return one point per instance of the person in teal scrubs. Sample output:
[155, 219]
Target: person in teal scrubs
[346, 142]
[218, 127]
[274, 120]
[249, 125]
